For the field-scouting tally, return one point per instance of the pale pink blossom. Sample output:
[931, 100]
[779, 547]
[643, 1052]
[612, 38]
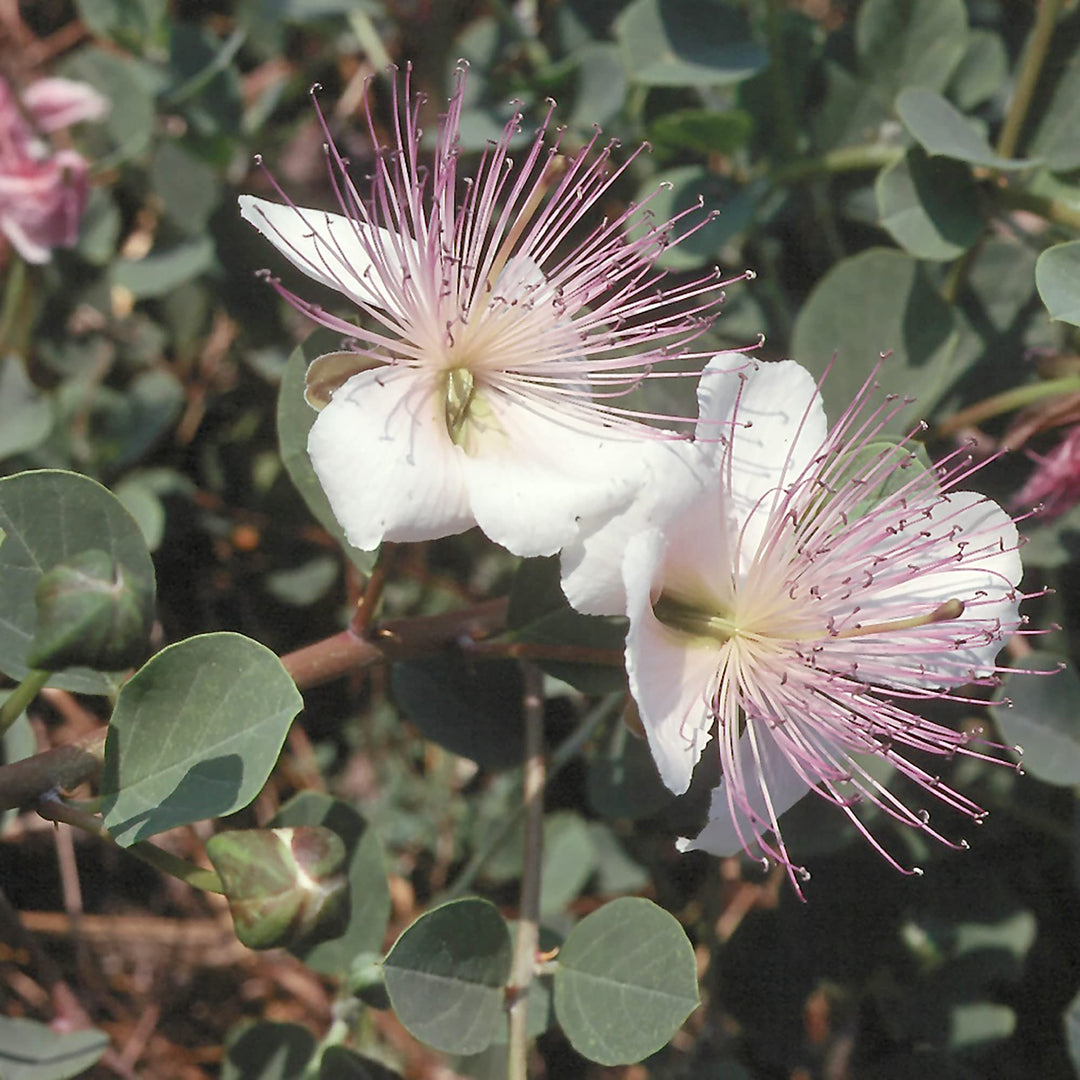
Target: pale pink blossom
[800, 603]
[43, 191]
[501, 319]
[1054, 485]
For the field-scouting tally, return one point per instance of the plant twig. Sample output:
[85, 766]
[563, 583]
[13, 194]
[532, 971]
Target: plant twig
[783, 113]
[20, 697]
[844, 159]
[561, 756]
[1030, 67]
[55, 809]
[1006, 401]
[528, 925]
[1054, 210]
[21, 782]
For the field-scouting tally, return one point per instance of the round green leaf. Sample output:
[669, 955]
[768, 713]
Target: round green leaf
[1044, 718]
[49, 518]
[625, 983]
[130, 86]
[601, 84]
[294, 419]
[473, 713]
[1057, 277]
[622, 781]
[875, 302]
[268, 1051]
[33, 1051]
[930, 206]
[942, 129]
[982, 70]
[705, 131]
[910, 42]
[369, 892]
[89, 613]
[194, 734]
[1057, 137]
[165, 269]
[569, 860]
[446, 976]
[130, 23]
[687, 43]
[25, 414]
[679, 189]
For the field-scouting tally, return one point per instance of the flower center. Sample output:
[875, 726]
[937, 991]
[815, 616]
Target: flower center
[722, 626]
[697, 622]
[471, 421]
[460, 395]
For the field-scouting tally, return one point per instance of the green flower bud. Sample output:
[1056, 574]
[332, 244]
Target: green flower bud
[284, 886]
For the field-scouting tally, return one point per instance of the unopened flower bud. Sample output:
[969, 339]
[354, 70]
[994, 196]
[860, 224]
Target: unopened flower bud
[284, 886]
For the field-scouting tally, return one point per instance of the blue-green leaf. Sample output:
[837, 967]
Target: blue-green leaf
[942, 129]
[626, 981]
[687, 43]
[51, 517]
[1044, 718]
[33, 1051]
[194, 734]
[1057, 277]
[446, 976]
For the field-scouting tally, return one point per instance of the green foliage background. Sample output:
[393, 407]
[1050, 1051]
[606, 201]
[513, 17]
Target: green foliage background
[904, 178]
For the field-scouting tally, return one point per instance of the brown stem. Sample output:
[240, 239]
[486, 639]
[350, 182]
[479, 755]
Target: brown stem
[22, 782]
[365, 610]
[1030, 67]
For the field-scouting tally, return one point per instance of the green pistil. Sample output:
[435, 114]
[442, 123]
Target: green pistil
[460, 394]
[687, 619]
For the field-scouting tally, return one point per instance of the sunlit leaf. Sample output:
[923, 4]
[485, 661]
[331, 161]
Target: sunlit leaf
[33, 1051]
[942, 129]
[879, 301]
[930, 206]
[687, 43]
[625, 983]
[446, 975]
[284, 886]
[194, 734]
[1057, 277]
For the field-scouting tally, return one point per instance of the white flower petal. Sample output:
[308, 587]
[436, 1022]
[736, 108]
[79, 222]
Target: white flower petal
[383, 457]
[675, 475]
[670, 673]
[763, 765]
[532, 479]
[346, 255]
[984, 576]
[675, 478]
[773, 422]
